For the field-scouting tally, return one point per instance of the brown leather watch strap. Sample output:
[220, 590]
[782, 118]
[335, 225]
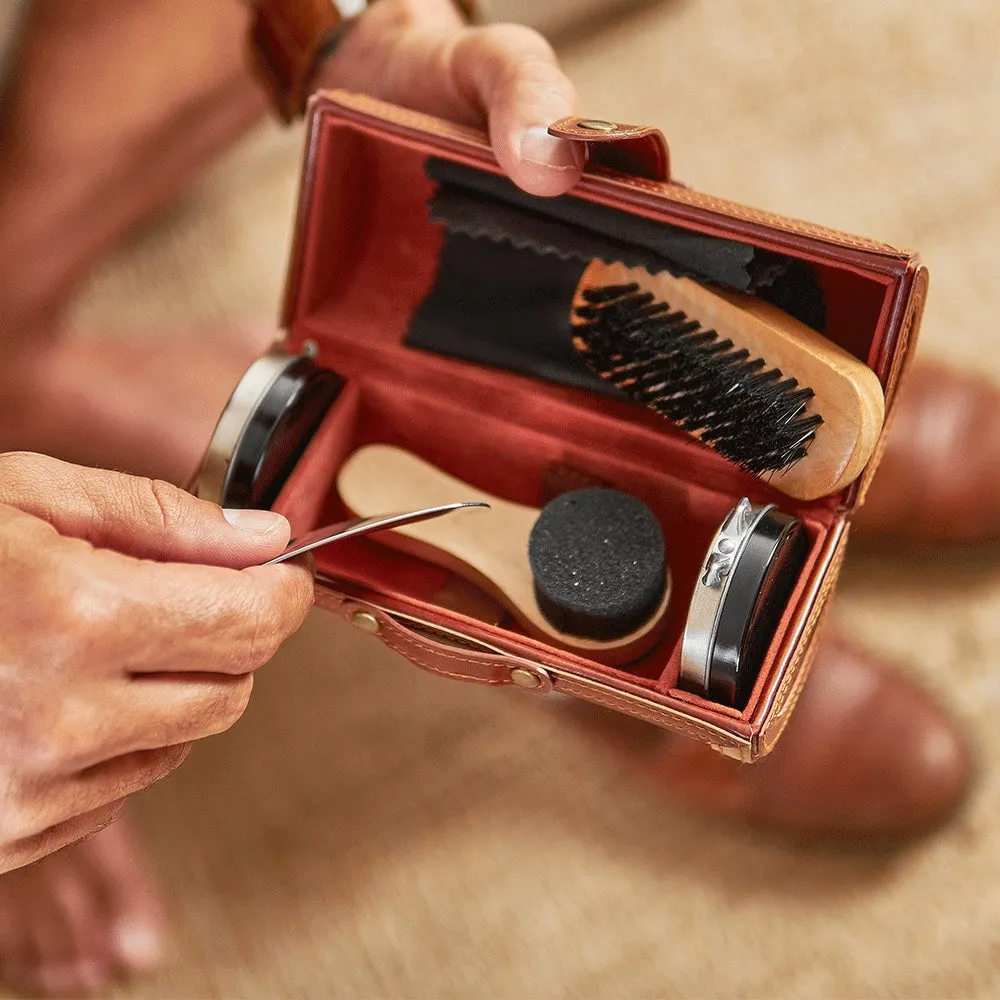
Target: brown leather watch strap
[286, 38]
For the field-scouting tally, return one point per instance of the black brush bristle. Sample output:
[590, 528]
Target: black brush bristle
[664, 359]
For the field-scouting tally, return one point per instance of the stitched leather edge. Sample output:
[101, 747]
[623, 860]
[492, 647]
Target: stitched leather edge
[684, 727]
[798, 669]
[373, 108]
[905, 348]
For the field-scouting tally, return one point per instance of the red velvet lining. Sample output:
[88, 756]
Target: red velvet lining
[378, 216]
[367, 257]
[507, 455]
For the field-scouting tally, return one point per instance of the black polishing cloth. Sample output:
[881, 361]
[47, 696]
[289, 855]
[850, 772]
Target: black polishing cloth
[726, 262]
[520, 322]
[599, 563]
[483, 205]
[511, 263]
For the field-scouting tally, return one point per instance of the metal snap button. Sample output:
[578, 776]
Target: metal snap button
[366, 621]
[597, 125]
[524, 678]
[531, 678]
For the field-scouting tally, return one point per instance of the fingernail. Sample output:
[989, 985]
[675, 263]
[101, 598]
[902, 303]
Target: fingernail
[544, 150]
[137, 945]
[256, 522]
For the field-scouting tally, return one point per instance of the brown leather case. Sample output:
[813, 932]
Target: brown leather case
[365, 255]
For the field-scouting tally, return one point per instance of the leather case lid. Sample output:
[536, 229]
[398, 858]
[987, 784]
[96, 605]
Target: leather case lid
[874, 291]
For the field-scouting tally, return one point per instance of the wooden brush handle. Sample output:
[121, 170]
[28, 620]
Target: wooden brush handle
[847, 393]
[488, 548]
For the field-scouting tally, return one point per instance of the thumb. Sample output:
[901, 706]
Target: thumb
[513, 75]
[143, 518]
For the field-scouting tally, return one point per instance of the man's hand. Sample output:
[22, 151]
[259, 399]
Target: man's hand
[130, 626]
[117, 105]
[503, 77]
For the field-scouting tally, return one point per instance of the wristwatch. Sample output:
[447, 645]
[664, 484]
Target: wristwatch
[289, 39]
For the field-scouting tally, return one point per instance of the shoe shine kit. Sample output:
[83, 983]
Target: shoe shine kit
[643, 417]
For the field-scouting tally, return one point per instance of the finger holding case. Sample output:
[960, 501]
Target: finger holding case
[366, 258]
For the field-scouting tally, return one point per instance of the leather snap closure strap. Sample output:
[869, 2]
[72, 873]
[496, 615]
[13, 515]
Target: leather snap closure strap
[637, 150]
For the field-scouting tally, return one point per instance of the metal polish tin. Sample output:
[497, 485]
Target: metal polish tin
[267, 423]
[743, 586]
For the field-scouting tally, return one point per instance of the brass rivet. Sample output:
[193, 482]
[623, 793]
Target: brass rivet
[366, 621]
[596, 125]
[524, 678]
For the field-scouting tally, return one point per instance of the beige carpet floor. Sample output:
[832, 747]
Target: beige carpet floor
[369, 831]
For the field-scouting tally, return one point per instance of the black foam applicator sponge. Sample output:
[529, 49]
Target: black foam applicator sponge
[599, 563]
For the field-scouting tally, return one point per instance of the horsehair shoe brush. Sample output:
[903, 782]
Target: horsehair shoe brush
[757, 386]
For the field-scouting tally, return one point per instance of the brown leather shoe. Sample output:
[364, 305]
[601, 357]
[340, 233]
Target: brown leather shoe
[939, 481]
[867, 756]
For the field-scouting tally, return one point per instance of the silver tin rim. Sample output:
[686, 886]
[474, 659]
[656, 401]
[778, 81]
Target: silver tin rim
[253, 386]
[710, 592]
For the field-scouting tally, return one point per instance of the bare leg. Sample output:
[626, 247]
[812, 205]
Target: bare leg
[75, 921]
[115, 106]
[146, 405]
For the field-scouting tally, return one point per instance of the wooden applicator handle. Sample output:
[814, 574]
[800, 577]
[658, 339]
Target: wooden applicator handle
[488, 548]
